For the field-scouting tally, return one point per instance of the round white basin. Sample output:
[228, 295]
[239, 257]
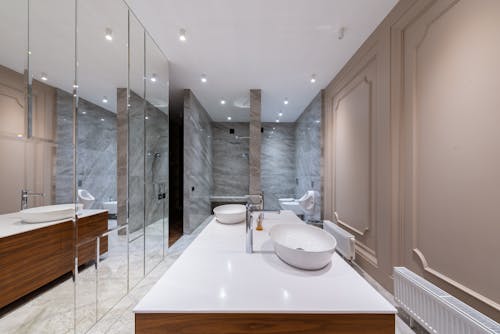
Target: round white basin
[230, 213]
[303, 246]
[44, 214]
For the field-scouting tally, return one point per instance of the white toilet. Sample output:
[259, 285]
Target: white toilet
[308, 205]
[85, 198]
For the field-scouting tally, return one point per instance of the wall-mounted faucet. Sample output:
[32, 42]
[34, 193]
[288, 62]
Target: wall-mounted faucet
[24, 198]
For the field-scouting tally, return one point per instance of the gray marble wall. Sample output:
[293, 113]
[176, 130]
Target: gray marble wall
[64, 150]
[96, 150]
[198, 180]
[277, 163]
[148, 163]
[255, 141]
[230, 167]
[308, 148]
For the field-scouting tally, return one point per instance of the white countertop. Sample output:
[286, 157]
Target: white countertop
[11, 224]
[215, 275]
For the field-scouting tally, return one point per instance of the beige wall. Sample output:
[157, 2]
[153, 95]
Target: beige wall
[412, 147]
[25, 163]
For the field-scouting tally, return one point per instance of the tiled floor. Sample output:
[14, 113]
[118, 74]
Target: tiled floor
[49, 312]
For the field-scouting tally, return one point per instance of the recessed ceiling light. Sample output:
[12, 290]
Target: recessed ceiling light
[222, 101]
[102, 119]
[19, 136]
[146, 117]
[182, 35]
[313, 78]
[274, 128]
[280, 114]
[108, 34]
[203, 78]
[286, 101]
[228, 118]
[277, 121]
[153, 77]
[104, 99]
[44, 76]
[84, 112]
[75, 86]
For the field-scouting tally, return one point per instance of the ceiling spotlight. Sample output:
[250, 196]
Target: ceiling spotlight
[84, 112]
[277, 121]
[75, 86]
[313, 78]
[44, 76]
[153, 77]
[19, 136]
[222, 101]
[102, 119]
[104, 99]
[182, 35]
[146, 117]
[228, 118]
[286, 101]
[108, 34]
[280, 114]
[203, 78]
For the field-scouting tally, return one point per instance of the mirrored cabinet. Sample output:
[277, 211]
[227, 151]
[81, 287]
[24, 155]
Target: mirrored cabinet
[84, 129]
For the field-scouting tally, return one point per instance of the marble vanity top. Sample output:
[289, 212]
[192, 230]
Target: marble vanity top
[11, 224]
[215, 275]
[228, 199]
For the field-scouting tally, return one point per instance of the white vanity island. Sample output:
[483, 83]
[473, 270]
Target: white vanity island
[215, 287]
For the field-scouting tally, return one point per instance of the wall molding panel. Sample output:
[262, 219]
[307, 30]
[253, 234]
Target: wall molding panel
[434, 162]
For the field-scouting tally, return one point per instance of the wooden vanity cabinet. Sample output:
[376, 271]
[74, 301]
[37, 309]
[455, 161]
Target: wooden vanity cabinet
[35, 258]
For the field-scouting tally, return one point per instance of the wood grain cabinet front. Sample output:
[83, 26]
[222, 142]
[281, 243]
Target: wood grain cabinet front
[35, 258]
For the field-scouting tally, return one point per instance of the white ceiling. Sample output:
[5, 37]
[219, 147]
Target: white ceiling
[274, 45]
[102, 64]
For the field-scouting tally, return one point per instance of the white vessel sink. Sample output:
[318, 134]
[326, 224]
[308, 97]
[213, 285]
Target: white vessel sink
[230, 213]
[303, 246]
[44, 214]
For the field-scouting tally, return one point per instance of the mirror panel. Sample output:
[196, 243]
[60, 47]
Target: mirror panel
[135, 151]
[13, 70]
[156, 164]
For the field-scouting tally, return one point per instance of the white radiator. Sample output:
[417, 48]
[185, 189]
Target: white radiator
[436, 310]
[345, 240]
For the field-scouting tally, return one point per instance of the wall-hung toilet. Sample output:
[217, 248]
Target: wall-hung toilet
[308, 205]
[85, 198]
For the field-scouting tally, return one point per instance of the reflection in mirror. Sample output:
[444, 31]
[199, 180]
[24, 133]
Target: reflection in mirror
[133, 140]
[156, 154]
[36, 274]
[102, 45]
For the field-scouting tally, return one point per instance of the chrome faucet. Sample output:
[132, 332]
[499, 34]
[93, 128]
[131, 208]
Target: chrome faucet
[24, 198]
[250, 208]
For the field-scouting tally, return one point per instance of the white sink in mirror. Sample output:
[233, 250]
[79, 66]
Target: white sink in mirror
[230, 213]
[49, 213]
[303, 246]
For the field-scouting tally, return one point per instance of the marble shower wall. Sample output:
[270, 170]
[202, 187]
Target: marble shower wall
[308, 148]
[230, 167]
[198, 180]
[277, 163]
[96, 150]
[154, 163]
[157, 133]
